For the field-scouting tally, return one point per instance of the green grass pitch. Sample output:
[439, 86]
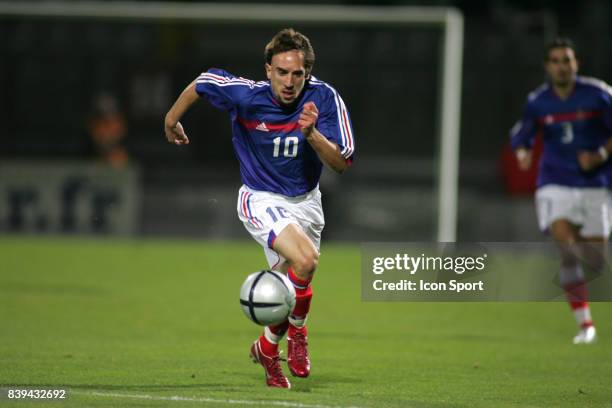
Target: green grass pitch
[135, 323]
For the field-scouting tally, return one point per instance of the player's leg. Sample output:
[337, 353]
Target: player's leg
[301, 261]
[595, 230]
[572, 278]
[583, 249]
[273, 334]
[280, 227]
[560, 214]
[271, 364]
[296, 253]
[293, 253]
[571, 273]
[251, 211]
[302, 258]
[592, 251]
[298, 250]
[265, 351]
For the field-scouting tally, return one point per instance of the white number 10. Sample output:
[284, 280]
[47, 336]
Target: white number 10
[291, 143]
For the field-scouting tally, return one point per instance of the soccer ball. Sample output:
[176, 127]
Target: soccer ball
[267, 297]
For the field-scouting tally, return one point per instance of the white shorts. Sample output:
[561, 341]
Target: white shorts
[265, 215]
[586, 207]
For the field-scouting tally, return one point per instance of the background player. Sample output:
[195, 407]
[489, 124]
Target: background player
[574, 116]
[283, 130]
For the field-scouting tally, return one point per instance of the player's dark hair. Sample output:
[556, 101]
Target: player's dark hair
[559, 42]
[287, 40]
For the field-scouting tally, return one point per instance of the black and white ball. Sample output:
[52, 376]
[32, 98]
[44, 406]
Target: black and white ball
[267, 297]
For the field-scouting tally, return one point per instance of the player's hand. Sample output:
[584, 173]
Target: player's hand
[308, 118]
[589, 160]
[524, 158]
[176, 134]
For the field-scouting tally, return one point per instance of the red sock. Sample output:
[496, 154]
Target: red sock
[268, 348]
[577, 296]
[303, 295]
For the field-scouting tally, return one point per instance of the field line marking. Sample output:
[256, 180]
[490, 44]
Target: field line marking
[205, 399]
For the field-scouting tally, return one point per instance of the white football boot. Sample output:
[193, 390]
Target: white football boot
[587, 335]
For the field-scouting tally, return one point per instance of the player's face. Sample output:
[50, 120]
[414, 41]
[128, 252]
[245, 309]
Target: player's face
[561, 66]
[287, 75]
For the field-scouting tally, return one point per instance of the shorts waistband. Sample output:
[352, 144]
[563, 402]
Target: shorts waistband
[302, 197]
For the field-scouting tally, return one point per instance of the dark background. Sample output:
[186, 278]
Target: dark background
[51, 70]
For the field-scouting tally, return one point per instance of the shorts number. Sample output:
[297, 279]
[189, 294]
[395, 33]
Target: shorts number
[282, 213]
[568, 133]
[291, 146]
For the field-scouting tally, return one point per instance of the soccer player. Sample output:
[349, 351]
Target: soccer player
[284, 130]
[573, 114]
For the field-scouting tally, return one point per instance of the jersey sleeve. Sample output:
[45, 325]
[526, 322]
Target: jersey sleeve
[524, 131]
[607, 108]
[222, 89]
[335, 123]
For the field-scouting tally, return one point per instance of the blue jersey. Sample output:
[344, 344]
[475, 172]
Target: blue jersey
[583, 121]
[273, 153]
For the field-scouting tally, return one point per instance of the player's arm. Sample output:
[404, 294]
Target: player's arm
[328, 151]
[588, 160]
[173, 128]
[524, 157]
[522, 136]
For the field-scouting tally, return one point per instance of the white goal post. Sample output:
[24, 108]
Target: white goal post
[449, 20]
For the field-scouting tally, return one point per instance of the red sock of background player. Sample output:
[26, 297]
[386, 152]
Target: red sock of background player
[268, 341]
[572, 280]
[577, 295]
[303, 296]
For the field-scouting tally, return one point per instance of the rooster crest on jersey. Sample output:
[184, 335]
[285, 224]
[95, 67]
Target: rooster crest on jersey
[267, 297]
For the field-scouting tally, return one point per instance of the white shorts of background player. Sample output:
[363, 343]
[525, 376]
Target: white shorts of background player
[585, 207]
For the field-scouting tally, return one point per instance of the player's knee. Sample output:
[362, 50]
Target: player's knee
[563, 232]
[306, 264]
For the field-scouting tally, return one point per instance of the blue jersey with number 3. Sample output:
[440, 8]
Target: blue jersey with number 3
[582, 122]
[273, 154]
